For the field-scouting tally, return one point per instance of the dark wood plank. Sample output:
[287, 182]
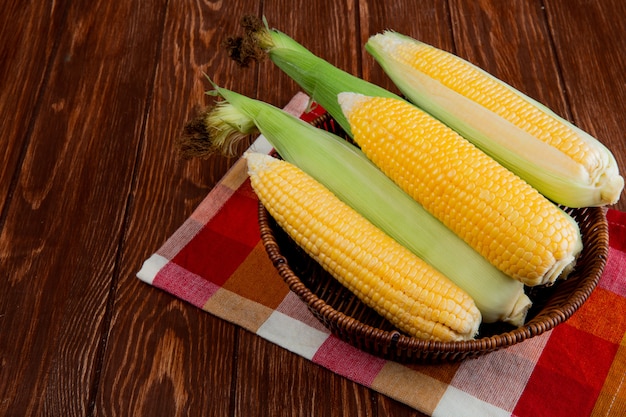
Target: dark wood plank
[29, 33]
[195, 351]
[164, 356]
[59, 244]
[593, 65]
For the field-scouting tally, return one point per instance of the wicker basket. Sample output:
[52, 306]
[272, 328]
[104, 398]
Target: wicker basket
[352, 321]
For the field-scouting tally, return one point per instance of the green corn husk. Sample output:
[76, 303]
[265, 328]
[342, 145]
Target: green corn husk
[318, 78]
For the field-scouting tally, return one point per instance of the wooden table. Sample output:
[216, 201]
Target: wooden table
[93, 97]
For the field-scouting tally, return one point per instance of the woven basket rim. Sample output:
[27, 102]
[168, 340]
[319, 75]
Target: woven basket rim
[479, 346]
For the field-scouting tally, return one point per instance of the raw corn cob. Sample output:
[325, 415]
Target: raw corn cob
[412, 295]
[347, 173]
[563, 162]
[494, 211]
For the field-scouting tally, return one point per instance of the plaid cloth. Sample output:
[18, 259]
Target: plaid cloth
[216, 261]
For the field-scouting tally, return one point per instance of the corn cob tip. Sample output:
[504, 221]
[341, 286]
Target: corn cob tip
[257, 161]
[519, 311]
[348, 101]
[387, 41]
[612, 188]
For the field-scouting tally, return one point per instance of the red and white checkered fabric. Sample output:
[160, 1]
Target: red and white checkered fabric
[216, 261]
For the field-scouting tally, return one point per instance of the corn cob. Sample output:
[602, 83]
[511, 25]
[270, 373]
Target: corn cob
[563, 162]
[412, 295]
[494, 211]
[347, 173]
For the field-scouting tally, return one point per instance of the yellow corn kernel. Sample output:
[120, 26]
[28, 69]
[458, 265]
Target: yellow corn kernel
[413, 296]
[494, 211]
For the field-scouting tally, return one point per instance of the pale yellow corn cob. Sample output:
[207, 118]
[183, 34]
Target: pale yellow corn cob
[383, 274]
[494, 211]
[470, 82]
[563, 162]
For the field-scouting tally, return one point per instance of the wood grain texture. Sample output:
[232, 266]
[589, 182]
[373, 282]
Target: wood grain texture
[165, 359]
[29, 36]
[90, 184]
[189, 367]
[589, 48]
[60, 240]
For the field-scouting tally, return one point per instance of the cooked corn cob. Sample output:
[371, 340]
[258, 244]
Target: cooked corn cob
[560, 160]
[494, 211]
[412, 295]
[347, 173]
